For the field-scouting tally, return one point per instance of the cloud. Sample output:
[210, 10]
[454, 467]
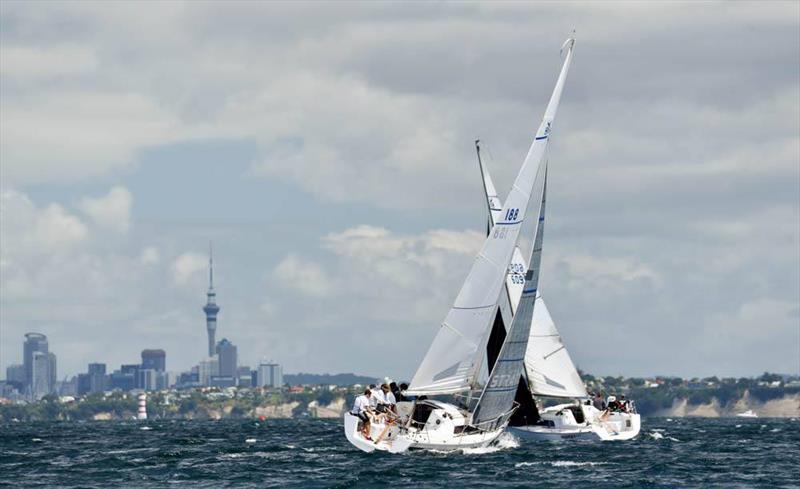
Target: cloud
[113, 211]
[150, 256]
[304, 276]
[673, 172]
[29, 230]
[187, 265]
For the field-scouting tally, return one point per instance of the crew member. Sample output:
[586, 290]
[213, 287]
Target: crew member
[361, 409]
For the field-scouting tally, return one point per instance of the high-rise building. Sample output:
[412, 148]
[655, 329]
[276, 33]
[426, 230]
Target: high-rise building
[51, 359]
[151, 379]
[125, 381]
[15, 375]
[270, 375]
[94, 380]
[244, 377]
[34, 342]
[206, 369]
[211, 308]
[96, 369]
[132, 369]
[40, 384]
[154, 360]
[226, 352]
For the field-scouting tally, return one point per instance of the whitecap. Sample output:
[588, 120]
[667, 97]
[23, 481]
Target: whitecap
[36, 440]
[570, 463]
[774, 430]
[250, 440]
[656, 435]
[145, 428]
[232, 455]
[503, 442]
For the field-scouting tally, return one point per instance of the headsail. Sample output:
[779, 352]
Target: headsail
[551, 372]
[498, 396]
[452, 360]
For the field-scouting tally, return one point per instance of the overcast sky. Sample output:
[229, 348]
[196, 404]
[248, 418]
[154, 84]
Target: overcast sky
[327, 150]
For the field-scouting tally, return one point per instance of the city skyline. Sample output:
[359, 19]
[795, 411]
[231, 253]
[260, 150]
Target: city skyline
[333, 167]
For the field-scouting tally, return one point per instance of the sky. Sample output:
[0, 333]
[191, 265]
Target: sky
[327, 151]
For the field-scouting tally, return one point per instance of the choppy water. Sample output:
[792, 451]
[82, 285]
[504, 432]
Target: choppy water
[314, 453]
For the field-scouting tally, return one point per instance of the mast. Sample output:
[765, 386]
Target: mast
[452, 361]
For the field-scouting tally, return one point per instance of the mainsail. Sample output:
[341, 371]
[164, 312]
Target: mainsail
[453, 359]
[498, 396]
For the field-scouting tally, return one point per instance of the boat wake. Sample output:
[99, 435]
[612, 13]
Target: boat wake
[506, 441]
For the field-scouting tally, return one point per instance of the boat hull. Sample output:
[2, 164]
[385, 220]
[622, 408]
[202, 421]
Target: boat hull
[593, 424]
[391, 441]
[443, 430]
[618, 426]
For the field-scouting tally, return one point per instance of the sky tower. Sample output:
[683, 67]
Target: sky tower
[211, 308]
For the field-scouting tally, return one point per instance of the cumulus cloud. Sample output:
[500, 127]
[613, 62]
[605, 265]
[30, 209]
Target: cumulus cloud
[186, 266]
[27, 229]
[150, 256]
[303, 275]
[112, 211]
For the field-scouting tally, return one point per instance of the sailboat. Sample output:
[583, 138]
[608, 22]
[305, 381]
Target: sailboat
[465, 386]
[549, 370]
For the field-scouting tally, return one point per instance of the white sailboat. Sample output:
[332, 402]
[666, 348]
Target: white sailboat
[464, 360]
[549, 371]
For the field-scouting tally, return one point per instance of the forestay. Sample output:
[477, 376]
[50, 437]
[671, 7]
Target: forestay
[452, 360]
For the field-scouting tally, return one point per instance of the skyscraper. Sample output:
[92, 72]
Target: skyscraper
[206, 369]
[226, 351]
[41, 382]
[15, 374]
[154, 360]
[211, 308]
[33, 342]
[39, 364]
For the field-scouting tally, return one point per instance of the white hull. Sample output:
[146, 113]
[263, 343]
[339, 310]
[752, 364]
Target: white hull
[560, 423]
[443, 430]
[619, 426]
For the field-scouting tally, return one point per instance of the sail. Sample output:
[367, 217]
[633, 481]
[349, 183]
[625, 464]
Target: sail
[453, 359]
[515, 276]
[498, 396]
[551, 372]
[492, 200]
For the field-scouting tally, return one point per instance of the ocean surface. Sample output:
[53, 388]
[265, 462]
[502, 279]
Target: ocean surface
[314, 453]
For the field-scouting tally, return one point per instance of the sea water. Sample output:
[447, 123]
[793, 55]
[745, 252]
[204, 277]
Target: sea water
[314, 453]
